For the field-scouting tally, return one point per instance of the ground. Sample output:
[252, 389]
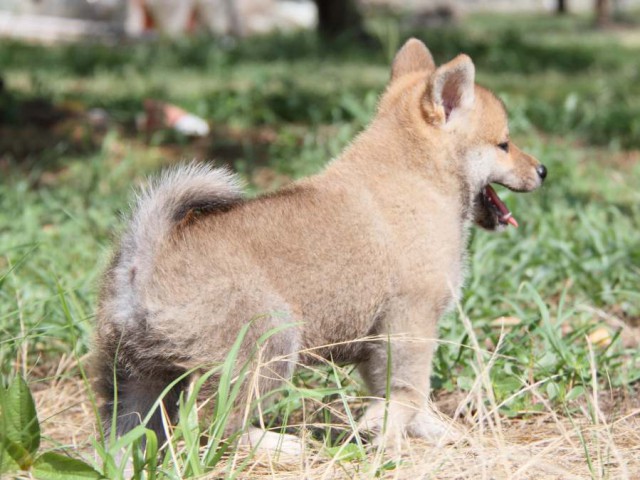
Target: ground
[545, 445]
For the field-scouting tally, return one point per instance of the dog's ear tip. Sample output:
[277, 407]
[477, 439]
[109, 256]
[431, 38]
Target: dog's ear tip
[414, 47]
[459, 60]
[463, 61]
[412, 56]
[414, 41]
[452, 85]
[461, 65]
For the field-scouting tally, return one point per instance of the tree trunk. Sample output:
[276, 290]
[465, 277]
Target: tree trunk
[603, 13]
[561, 7]
[338, 16]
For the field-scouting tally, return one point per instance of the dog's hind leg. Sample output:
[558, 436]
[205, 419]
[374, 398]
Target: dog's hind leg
[274, 366]
[130, 400]
[265, 361]
[131, 394]
[134, 401]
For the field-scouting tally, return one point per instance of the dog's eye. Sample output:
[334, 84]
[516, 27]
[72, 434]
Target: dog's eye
[504, 146]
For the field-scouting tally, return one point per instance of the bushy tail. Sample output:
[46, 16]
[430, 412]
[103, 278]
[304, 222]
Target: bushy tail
[158, 208]
[126, 355]
[166, 201]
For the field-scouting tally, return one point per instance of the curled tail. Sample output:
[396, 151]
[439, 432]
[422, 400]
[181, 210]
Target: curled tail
[158, 209]
[128, 356]
[165, 202]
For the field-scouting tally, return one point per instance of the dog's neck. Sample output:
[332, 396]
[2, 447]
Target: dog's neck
[391, 151]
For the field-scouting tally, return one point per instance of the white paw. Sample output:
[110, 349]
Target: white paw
[271, 442]
[434, 427]
[401, 421]
[387, 421]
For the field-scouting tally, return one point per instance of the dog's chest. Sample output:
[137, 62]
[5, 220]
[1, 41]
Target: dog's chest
[430, 247]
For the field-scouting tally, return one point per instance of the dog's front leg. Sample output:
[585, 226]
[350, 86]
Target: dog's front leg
[400, 367]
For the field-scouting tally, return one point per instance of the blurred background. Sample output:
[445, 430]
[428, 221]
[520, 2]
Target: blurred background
[97, 94]
[243, 81]
[54, 20]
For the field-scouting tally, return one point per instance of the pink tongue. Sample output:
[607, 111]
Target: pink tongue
[495, 199]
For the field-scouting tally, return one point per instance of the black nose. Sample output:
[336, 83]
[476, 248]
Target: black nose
[542, 171]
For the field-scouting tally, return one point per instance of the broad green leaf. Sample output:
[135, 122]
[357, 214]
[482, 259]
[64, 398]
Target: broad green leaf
[575, 392]
[465, 383]
[7, 462]
[20, 430]
[506, 386]
[347, 452]
[553, 390]
[53, 466]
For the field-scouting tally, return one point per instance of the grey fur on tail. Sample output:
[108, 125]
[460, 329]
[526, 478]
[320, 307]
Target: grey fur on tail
[125, 356]
[158, 208]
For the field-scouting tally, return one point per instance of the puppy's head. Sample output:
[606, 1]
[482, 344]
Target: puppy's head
[466, 123]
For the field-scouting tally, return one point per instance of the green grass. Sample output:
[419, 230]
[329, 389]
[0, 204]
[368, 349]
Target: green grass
[574, 99]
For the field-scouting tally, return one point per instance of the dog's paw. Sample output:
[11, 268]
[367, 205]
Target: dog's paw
[392, 423]
[385, 424]
[434, 428]
[272, 442]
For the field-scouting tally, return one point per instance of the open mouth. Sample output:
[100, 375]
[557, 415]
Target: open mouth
[491, 199]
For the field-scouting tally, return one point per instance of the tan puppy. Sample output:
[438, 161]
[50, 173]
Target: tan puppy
[372, 247]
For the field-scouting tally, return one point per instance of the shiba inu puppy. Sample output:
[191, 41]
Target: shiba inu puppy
[352, 264]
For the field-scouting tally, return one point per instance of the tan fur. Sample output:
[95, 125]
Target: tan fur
[373, 246]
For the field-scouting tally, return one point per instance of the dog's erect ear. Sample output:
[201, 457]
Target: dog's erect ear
[412, 57]
[450, 88]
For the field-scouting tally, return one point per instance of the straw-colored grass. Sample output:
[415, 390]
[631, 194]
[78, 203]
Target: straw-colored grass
[600, 438]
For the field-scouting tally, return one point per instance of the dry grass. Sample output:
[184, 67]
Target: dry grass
[601, 439]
